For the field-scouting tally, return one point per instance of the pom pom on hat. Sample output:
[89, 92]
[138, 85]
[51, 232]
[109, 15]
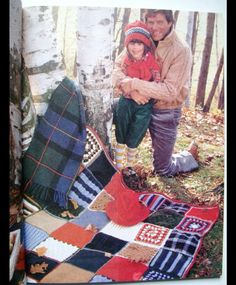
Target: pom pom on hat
[137, 31]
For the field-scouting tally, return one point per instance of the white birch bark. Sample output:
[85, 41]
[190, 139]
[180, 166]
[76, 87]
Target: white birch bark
[189, 37]
[15, 91]
[41, 54]
[94, 66]
[15, 150]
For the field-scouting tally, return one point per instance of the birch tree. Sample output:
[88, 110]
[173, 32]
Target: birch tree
[41, 54]
[14, 110]
[94, 62]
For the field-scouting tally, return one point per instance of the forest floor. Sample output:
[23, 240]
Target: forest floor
[204, 186]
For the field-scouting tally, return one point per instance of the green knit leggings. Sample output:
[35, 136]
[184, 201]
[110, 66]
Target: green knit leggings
[132, 121]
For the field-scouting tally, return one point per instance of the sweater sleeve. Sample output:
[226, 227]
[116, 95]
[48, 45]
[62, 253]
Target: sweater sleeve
[117, 73]
[169, 87]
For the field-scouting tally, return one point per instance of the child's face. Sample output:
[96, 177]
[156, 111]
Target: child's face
[136, 50]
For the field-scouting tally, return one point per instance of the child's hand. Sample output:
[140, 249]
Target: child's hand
[125, 85]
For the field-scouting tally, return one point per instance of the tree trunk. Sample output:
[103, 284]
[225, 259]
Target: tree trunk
[207, 106]
[189, 41]
[142, 14]
[94, 61]
[125, 21]
[15, 111]
[176, 15]
[194, 32]
[41, 55]
[201, 89]
[221, 97]
[28, 112]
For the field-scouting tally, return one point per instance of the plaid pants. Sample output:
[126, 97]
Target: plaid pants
[163, 131]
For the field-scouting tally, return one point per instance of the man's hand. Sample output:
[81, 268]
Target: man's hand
[125, 85]
[138, 98]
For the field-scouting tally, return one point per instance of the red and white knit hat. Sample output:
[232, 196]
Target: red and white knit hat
[137, 31]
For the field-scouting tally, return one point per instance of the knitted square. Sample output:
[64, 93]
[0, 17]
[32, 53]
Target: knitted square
[55, 249]
[37, 267]
[170, 262]
[87, 217]
[138, 253]
[121, 269]
[45, 221]
[88, 259]
[67, 273]
[30, 231]
[194, 225]
[106, 243]
[183, 242]
[73, 234]
[152, 234]
[101, 201]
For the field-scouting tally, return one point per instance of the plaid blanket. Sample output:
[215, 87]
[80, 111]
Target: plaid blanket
[83, 245]
[52, 162]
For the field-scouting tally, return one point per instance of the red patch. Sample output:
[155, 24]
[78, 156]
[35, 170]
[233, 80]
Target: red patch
[73, 234]
[122, 269]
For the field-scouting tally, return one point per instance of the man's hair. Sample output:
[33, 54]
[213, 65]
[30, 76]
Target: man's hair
[167, 13]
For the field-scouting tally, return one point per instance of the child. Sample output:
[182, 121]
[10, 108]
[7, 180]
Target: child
[132, 119]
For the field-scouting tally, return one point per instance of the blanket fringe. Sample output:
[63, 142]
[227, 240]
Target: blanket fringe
[43, 195]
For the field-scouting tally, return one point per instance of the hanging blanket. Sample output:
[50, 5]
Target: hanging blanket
[52, 162]
[83, 245]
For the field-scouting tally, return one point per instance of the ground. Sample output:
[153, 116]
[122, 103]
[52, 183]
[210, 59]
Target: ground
[202, 187]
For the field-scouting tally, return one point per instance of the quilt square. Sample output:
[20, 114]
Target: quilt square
[106, 243]
[37, 266]
[122, 232]
[73, 234]
[180, 208]
[87, 217]
[30, 231]
[151, 275]
[138, 253]
[92, 147]
[67, 273]
[204, 213]
[88, 259]
[45, 221]
[55, 249]
[102, 162]
[85, 188]
[121, 269]
[152, 201]
[100, 202]
[183, 242]
[171, 262]
[152, 234]
[194, 225]
[100, 279]
[165, 218]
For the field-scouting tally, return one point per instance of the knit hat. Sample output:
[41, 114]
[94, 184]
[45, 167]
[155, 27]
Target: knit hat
[126, 209]
[137, 31]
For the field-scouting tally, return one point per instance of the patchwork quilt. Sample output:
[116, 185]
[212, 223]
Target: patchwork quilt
[81, 244]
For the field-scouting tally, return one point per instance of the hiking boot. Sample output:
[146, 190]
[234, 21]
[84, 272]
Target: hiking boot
[194, 150]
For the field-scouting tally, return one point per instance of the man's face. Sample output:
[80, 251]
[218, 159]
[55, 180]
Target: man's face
[158, 26]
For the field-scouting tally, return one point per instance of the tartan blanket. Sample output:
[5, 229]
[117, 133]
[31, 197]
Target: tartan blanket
[81, 244]
[52, 161]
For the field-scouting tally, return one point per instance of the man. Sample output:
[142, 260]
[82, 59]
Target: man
[175, 59]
